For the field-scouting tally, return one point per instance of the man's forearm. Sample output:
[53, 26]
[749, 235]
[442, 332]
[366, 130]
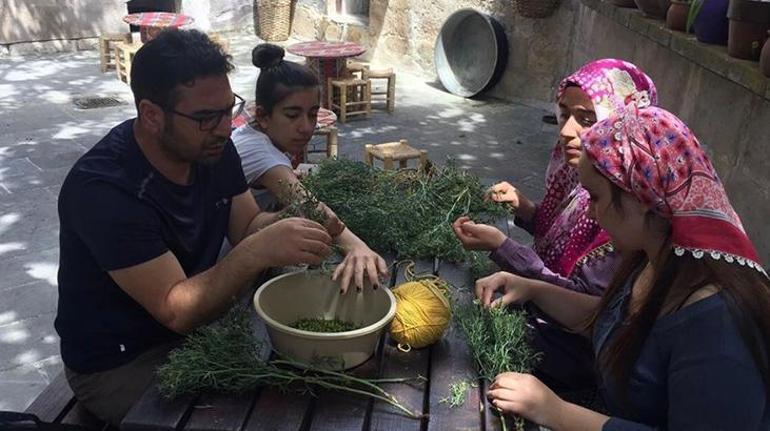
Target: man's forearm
[262, 219]
[204, 297]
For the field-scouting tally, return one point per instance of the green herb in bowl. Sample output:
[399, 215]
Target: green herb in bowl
[324, 325]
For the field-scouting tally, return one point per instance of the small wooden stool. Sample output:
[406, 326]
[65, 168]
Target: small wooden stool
[219, 40]
[331, 141]
[124, 55]
[106, 43]
[337, 92]
[389, 92]
[395, 151]
[356, 69]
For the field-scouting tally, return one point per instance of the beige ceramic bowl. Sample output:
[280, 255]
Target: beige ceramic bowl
[287, 298]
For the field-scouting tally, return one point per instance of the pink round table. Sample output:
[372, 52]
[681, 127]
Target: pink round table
[151, 23]
[327, 59]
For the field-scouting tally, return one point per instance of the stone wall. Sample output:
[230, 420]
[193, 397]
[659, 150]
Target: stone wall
[725, 101]
[56, 25]
[403, 32]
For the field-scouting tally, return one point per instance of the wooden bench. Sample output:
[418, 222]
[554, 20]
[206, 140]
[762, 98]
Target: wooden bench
[57, 405]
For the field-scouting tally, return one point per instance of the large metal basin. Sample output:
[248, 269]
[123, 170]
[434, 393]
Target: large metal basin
[470, 53]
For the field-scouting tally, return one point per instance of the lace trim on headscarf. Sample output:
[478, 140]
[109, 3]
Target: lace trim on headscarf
[699, 253]
[598, 252]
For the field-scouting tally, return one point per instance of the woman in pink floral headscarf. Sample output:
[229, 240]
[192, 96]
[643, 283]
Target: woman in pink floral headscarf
[682, 334]
[570, 249]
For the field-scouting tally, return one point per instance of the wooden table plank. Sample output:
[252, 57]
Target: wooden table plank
[451, 361]
[153, 412]
[335, 411]
[78, 415]
[228, 411]
[277, 411]
[55, 400]
[396, 363]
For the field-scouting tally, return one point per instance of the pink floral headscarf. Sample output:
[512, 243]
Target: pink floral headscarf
[563, 231]
[651, 154]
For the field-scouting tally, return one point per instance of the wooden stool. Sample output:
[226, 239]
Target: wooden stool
[124, 55]
[337, 92]
[389, 92]
[331, 141]
[219, 40]
[106, 42]
[356, 69]
[395, 151]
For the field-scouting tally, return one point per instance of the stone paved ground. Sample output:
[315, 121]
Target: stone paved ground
[42, 134]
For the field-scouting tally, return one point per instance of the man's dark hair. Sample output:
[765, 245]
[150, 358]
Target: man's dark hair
[175, 57]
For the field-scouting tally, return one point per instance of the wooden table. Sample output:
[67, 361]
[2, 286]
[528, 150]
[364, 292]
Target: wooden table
[151, 23]
[267, 409]
[327, 59]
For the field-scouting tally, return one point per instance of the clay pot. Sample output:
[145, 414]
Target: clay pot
[764, 58]
[749, 23]
[624, 3]
[711, 23]
[651, 8]
[676, 18]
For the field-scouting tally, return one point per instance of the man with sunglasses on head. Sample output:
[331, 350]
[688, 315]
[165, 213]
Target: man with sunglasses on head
[142, 217]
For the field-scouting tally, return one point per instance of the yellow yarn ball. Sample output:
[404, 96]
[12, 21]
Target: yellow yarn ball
[422, 314]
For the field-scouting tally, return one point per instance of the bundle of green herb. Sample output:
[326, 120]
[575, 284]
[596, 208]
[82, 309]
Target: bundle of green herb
[324, 325]
[498, 339]
[406, 213]
[226, 357]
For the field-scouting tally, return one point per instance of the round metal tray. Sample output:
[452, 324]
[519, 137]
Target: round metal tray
[471, 52]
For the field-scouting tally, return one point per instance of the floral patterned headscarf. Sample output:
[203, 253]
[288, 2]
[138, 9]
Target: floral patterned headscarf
[563, 231]
[651, 154]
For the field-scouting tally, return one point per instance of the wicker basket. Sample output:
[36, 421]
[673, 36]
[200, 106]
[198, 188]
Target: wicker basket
[536, 8]
[274, 19]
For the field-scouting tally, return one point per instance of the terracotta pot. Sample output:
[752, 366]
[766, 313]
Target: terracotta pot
[651, 8]
[676, 18]
[764, 58]
[749, 23]
[624, 3]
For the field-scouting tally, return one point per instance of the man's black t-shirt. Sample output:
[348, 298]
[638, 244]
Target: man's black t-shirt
[117, 211]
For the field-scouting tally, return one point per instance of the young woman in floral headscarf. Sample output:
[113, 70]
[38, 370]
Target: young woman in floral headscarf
[570, 249]
[682, 335]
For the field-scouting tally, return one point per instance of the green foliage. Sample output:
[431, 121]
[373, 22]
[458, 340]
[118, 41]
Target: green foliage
[458, 392]
[498, 339]
[227, 357]
[300, 203]
[407, 213]
[695, 6]
[324, 325]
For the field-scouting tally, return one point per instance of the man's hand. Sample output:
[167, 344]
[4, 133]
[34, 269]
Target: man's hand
[292, 241]
[477, 236]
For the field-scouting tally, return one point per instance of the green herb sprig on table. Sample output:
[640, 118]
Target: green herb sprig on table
[226, 357]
